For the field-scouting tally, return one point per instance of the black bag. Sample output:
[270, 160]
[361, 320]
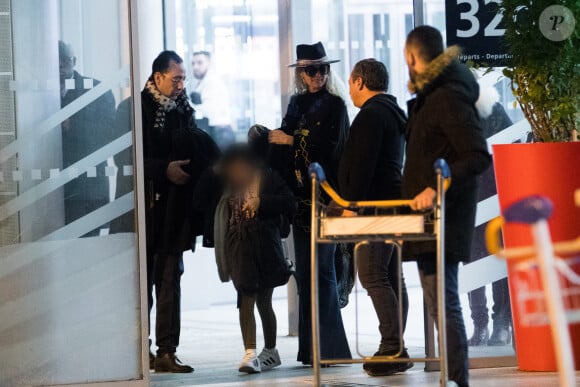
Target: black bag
[344, 266]
[257, 260]
[239, 250]
[274, 268]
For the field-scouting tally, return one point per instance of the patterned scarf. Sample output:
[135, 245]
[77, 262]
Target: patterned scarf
[166, 104]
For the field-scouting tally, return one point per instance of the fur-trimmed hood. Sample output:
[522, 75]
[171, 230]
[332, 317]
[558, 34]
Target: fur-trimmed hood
[446, 72]
[436, 67]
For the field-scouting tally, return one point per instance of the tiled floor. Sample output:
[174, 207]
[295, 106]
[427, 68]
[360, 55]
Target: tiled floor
[211, 342]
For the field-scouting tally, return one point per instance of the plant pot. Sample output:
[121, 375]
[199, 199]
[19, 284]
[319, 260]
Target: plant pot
[552, 170]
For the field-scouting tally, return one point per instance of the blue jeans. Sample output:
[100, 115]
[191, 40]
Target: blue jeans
[333, 342]
[456, 337]
[378, 271]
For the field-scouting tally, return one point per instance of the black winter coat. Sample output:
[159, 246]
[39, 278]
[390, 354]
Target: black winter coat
[319, 123]
[443, 123]
[371, 164]
[171, 223]
[277, 202]
[85, 132]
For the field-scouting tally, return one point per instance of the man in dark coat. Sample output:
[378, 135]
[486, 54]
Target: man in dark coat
[83, 133]
[370, 169]
[175, 155]
[443, 123]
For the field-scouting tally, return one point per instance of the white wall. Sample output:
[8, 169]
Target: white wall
[150, 18]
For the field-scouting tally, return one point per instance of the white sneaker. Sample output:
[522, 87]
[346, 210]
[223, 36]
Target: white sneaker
[269, 358]
[250, 363]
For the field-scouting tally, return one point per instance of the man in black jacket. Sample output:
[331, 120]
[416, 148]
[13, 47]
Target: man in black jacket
[370, 169]
[175, 155]
[84, 133]
[443, 123]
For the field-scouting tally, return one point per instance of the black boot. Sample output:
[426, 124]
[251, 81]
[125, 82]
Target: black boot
[386, 369]
[501, 335]
[480, 336]
[168, 362]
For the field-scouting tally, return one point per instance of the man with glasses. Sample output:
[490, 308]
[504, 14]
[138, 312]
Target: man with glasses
[176, 152]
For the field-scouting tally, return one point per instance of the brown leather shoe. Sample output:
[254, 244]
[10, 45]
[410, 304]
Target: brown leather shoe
[168, 362]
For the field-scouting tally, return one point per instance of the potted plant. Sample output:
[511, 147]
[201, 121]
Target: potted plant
[544, 71]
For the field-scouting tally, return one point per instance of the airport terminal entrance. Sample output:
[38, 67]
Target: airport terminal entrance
[72, 246]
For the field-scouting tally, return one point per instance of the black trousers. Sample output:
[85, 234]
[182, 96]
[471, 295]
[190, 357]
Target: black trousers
[164, 276]
[502, 315]
[378, 271]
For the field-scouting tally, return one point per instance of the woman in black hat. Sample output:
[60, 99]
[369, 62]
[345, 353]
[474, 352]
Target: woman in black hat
[314, 129]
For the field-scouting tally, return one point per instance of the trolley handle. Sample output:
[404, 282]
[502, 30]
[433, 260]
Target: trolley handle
[526, 211]
[442, 168]
[317, 172]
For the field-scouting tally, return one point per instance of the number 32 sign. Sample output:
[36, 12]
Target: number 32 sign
[476, 26]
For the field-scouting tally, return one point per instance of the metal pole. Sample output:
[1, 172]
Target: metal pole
[314, 283]
[399, 249]
[286, 52]
[418, 13]
[555, 304]
[292, 289]
[440, 229]
[138, 183]
[357, 246]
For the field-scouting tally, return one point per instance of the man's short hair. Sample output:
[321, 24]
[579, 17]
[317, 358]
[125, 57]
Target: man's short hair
[204, 53]
[163, 61]
[374, 74]
[427, 41]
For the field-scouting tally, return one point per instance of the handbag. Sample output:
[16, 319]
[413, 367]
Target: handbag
[344, 266]
[274, 267]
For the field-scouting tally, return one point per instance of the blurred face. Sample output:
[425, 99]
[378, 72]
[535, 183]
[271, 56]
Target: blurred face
[171, 82]
[315, 77]
[200, 65]
[355, 87]
[239, 174]
[66, 66]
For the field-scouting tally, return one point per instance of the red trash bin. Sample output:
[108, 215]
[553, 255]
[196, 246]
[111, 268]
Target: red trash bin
[547, 169]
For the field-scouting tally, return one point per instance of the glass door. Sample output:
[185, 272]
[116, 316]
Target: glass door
[70, 300]
[352, 30]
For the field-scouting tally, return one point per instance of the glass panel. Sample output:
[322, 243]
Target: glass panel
[69, 287]
[485, 295]
[352, 30]
[234, 77]
[355, 29]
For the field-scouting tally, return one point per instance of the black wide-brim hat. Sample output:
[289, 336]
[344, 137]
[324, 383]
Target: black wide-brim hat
[311, 55]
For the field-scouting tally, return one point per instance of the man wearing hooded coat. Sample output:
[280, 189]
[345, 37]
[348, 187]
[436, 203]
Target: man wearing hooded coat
[443, 123]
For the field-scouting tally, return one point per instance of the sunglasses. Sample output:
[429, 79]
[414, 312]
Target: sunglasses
[311, 71]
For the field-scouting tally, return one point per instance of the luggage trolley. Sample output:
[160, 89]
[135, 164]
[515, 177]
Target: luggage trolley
[390, 229]
[549, 285]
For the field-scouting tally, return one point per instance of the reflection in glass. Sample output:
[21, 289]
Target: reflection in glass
[69, 305]
[231, 50]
